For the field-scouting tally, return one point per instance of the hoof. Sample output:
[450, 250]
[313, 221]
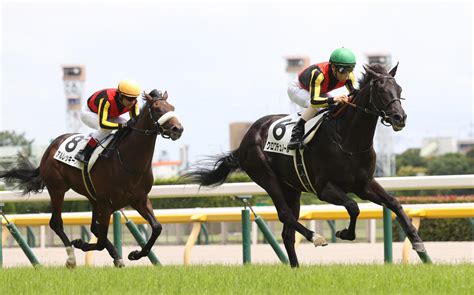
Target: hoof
[319, 240]
[344, 235]
[419, 247]
[119, 263]
[71, 263]
[78, 243]
[135, 255]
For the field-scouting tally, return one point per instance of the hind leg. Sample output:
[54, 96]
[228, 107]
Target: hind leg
[334, 195]
[56, 224]
[257, 167]
[288, 234]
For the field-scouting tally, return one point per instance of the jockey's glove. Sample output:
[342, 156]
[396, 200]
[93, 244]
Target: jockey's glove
[129, 123]
[124, 125]
[354, 93]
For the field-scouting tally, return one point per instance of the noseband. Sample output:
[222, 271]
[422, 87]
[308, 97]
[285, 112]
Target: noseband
[373, 109]
[157, 123]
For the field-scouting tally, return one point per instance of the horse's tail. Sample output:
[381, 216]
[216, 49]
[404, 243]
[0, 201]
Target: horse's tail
[214, 170]
[25, 176]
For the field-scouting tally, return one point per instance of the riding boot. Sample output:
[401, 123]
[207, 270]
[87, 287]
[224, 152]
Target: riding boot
[296, 140]
[85, 154]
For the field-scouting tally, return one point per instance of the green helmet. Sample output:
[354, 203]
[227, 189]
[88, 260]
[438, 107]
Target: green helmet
[342, 56]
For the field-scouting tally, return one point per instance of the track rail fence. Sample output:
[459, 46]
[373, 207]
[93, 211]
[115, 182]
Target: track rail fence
[321, 212]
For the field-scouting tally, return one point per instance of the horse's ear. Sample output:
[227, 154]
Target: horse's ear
[147, 96]
[371, 72]
[394, 70]
[165, 95]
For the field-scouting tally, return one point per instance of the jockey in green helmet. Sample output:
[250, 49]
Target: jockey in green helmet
[313, 83]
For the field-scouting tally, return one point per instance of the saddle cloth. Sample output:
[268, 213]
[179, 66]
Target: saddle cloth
[279, 133]
[71, 146]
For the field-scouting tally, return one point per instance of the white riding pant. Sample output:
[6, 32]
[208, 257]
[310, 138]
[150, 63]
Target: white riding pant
[91, 120]
[302, 98]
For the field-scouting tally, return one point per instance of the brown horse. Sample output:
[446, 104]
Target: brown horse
[123, 179]
[340, 159]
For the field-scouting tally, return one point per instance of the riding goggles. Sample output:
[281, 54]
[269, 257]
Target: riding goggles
[344, 69]
[129, 98]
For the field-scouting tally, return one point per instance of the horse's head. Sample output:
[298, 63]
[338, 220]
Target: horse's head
[385, 96]
[162, 115]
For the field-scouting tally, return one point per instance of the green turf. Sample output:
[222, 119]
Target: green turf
[250, 279]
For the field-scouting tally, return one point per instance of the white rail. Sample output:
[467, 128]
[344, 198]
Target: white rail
[250, 188]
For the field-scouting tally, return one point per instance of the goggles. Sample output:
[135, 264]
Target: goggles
[344, 69]
[129, 98]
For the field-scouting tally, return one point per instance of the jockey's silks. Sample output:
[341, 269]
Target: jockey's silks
[106, 104]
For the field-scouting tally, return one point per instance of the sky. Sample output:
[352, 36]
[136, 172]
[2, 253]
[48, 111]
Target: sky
[224, 62]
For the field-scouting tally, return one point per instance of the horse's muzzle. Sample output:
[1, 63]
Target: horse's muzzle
[175, 132]
[398, 121]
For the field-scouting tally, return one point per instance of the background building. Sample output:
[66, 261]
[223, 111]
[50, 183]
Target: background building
[74, 77]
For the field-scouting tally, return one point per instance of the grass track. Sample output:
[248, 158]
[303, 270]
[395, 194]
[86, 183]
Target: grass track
[250, 279]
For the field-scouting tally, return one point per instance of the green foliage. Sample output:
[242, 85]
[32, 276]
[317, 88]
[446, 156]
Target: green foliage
[446, 230]
[459, 229]
[11, 138]
[410, 157]
[411, 171]
[450, 164]
[470, 154]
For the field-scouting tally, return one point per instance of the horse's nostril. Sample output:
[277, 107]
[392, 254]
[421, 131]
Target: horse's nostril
[397, 118]
[177, 130]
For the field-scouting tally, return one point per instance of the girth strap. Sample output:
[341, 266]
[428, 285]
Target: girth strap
[86, 177]
[300, 169]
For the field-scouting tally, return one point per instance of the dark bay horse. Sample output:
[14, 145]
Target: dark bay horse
[340, 159]
[123, 179]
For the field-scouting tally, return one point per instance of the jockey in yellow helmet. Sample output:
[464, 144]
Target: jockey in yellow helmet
[102, 112]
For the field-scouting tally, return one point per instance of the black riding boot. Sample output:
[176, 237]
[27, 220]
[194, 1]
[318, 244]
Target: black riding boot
[296, 140]
[85, 154]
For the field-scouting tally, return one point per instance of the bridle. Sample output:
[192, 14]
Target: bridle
[157, 123]
[157, 129]
[373, 109]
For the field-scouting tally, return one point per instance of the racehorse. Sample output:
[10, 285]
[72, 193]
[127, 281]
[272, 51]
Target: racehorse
[123, 179]
[340, 159]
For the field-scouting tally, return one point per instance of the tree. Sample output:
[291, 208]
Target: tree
[450, 164]
[11, 138]
[410, 157]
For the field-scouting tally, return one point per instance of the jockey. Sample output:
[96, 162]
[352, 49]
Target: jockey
[102, 112]
[309, 89]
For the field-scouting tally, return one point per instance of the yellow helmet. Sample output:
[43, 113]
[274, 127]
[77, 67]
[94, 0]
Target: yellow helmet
[129, 88]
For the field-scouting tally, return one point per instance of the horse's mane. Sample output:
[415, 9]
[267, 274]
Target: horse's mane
[378, 68]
